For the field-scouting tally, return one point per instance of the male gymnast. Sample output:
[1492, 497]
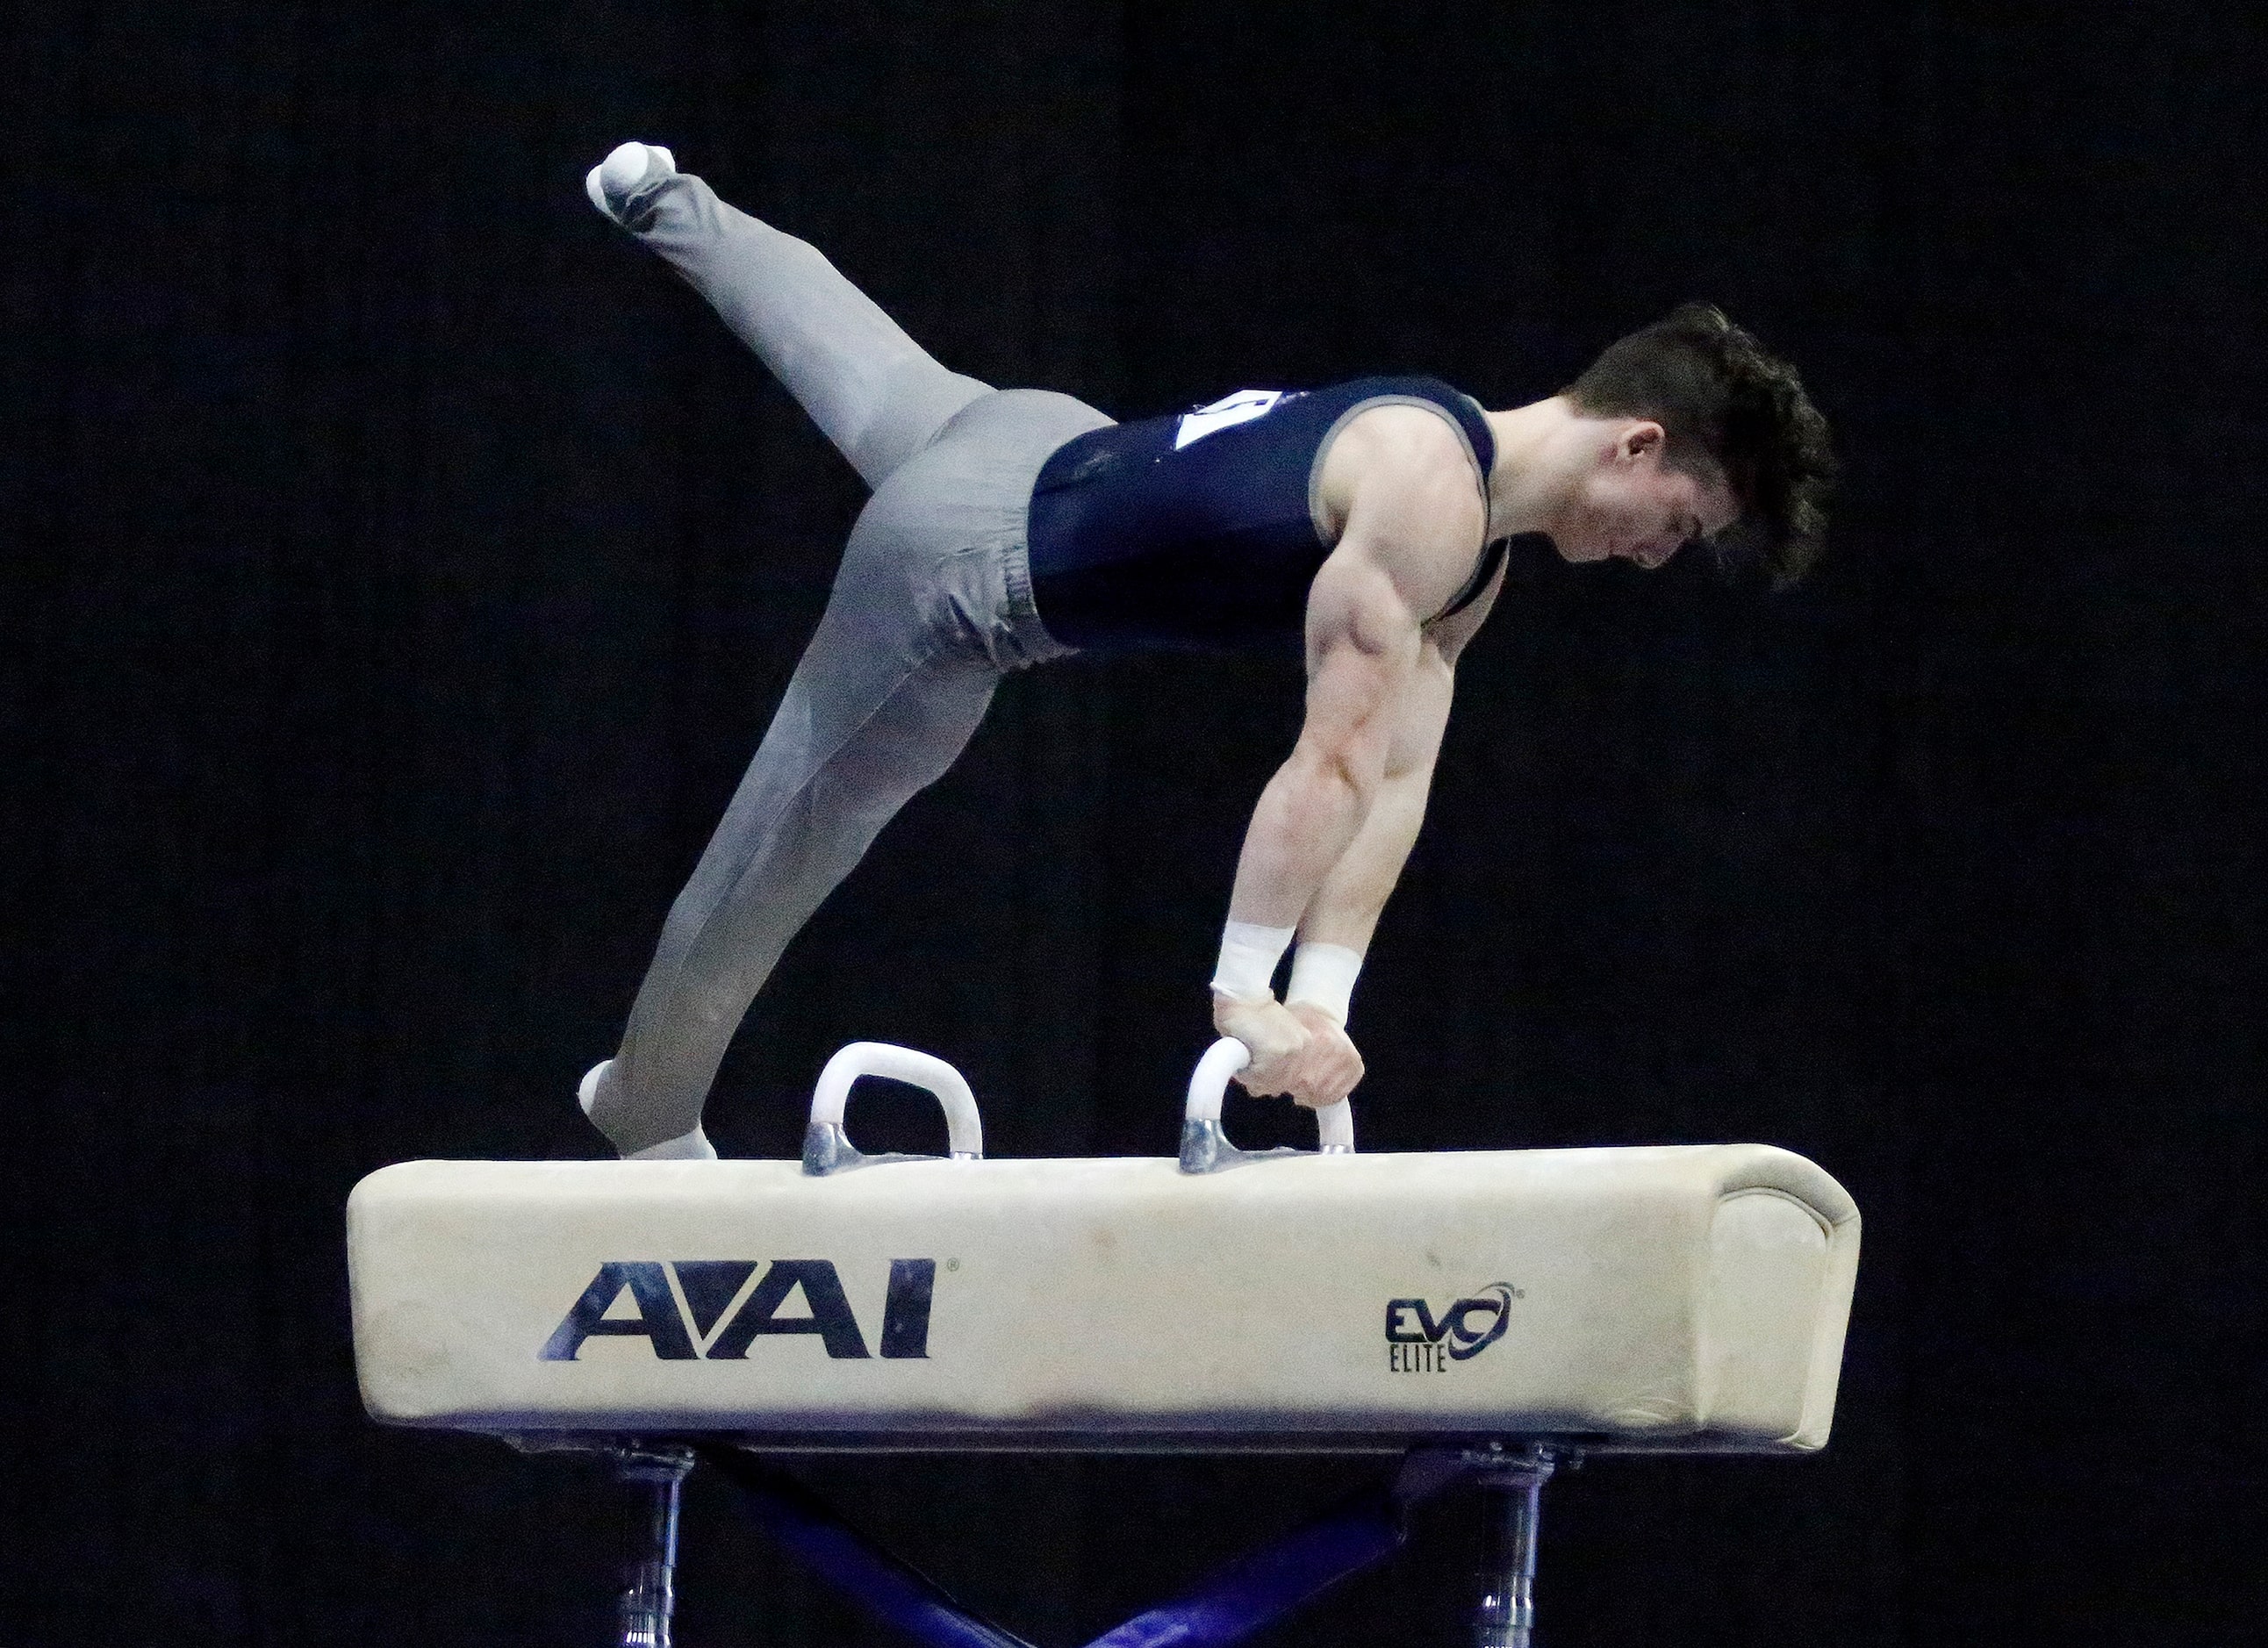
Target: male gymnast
[1366, 522]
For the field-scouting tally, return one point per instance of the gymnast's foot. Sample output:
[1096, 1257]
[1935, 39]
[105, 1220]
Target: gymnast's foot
[615, 180]
[694, 1146]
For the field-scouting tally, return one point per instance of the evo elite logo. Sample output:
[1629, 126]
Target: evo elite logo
[1419, 1341]
[705, 1310]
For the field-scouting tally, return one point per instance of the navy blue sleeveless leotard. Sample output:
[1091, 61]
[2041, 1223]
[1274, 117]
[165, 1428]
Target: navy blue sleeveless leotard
[1198, 531]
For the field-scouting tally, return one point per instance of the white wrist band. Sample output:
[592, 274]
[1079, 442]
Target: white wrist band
[1323, 975]
[1248, 955]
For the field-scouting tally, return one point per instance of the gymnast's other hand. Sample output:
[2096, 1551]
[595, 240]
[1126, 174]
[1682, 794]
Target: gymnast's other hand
[1330, 1066]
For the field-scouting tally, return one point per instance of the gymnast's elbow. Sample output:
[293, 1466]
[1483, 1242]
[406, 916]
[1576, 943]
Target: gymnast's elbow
[1341, 769]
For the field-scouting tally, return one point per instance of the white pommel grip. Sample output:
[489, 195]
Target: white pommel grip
[1205, 1149]
[1208, 1081]
[827, 1149]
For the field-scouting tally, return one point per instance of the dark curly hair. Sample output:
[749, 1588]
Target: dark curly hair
[1715, 389]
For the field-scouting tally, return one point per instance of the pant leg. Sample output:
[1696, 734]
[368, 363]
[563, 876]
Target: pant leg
[875, 712]
[872, 390]
[932, 608]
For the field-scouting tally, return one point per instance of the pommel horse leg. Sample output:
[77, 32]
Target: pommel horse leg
[1511, 1483]
[649, 1597]
[650, 1580]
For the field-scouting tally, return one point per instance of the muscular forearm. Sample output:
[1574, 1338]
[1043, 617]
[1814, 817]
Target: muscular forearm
[1346, 906]
[1348, 848]
[1308, 816]
[1354, 890]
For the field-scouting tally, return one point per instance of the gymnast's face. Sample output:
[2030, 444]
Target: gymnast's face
[1630, 504]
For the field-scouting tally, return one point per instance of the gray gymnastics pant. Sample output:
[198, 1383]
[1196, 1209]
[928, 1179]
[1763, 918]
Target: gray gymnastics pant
[931, 606]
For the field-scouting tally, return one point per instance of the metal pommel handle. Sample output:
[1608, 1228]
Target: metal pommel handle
[826, 1149]
[1206, 1149]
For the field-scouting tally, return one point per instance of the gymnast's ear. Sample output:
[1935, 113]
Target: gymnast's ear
[1639, 437]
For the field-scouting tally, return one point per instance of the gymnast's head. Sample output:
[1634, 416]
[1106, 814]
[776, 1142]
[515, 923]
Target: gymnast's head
[1685, 430]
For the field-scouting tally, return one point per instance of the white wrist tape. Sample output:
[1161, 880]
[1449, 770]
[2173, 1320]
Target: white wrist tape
[1323, 975]
[1248, 955]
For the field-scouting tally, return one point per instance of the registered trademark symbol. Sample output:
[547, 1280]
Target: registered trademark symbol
[953, 1264]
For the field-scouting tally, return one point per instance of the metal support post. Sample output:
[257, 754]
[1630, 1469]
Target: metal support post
[1510, 1481]
[649, 1578]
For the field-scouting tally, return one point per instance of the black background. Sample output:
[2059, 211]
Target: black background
[403, 566]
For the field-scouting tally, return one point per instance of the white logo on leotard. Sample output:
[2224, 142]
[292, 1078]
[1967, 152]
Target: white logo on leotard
[1240, 408]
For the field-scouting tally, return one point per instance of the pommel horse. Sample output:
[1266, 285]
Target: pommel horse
[1487, 1315]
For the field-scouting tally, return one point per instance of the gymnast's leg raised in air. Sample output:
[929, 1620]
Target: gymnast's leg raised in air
[931, 606]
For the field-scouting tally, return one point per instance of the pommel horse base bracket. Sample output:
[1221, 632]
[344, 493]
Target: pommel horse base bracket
[1248, 1594]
